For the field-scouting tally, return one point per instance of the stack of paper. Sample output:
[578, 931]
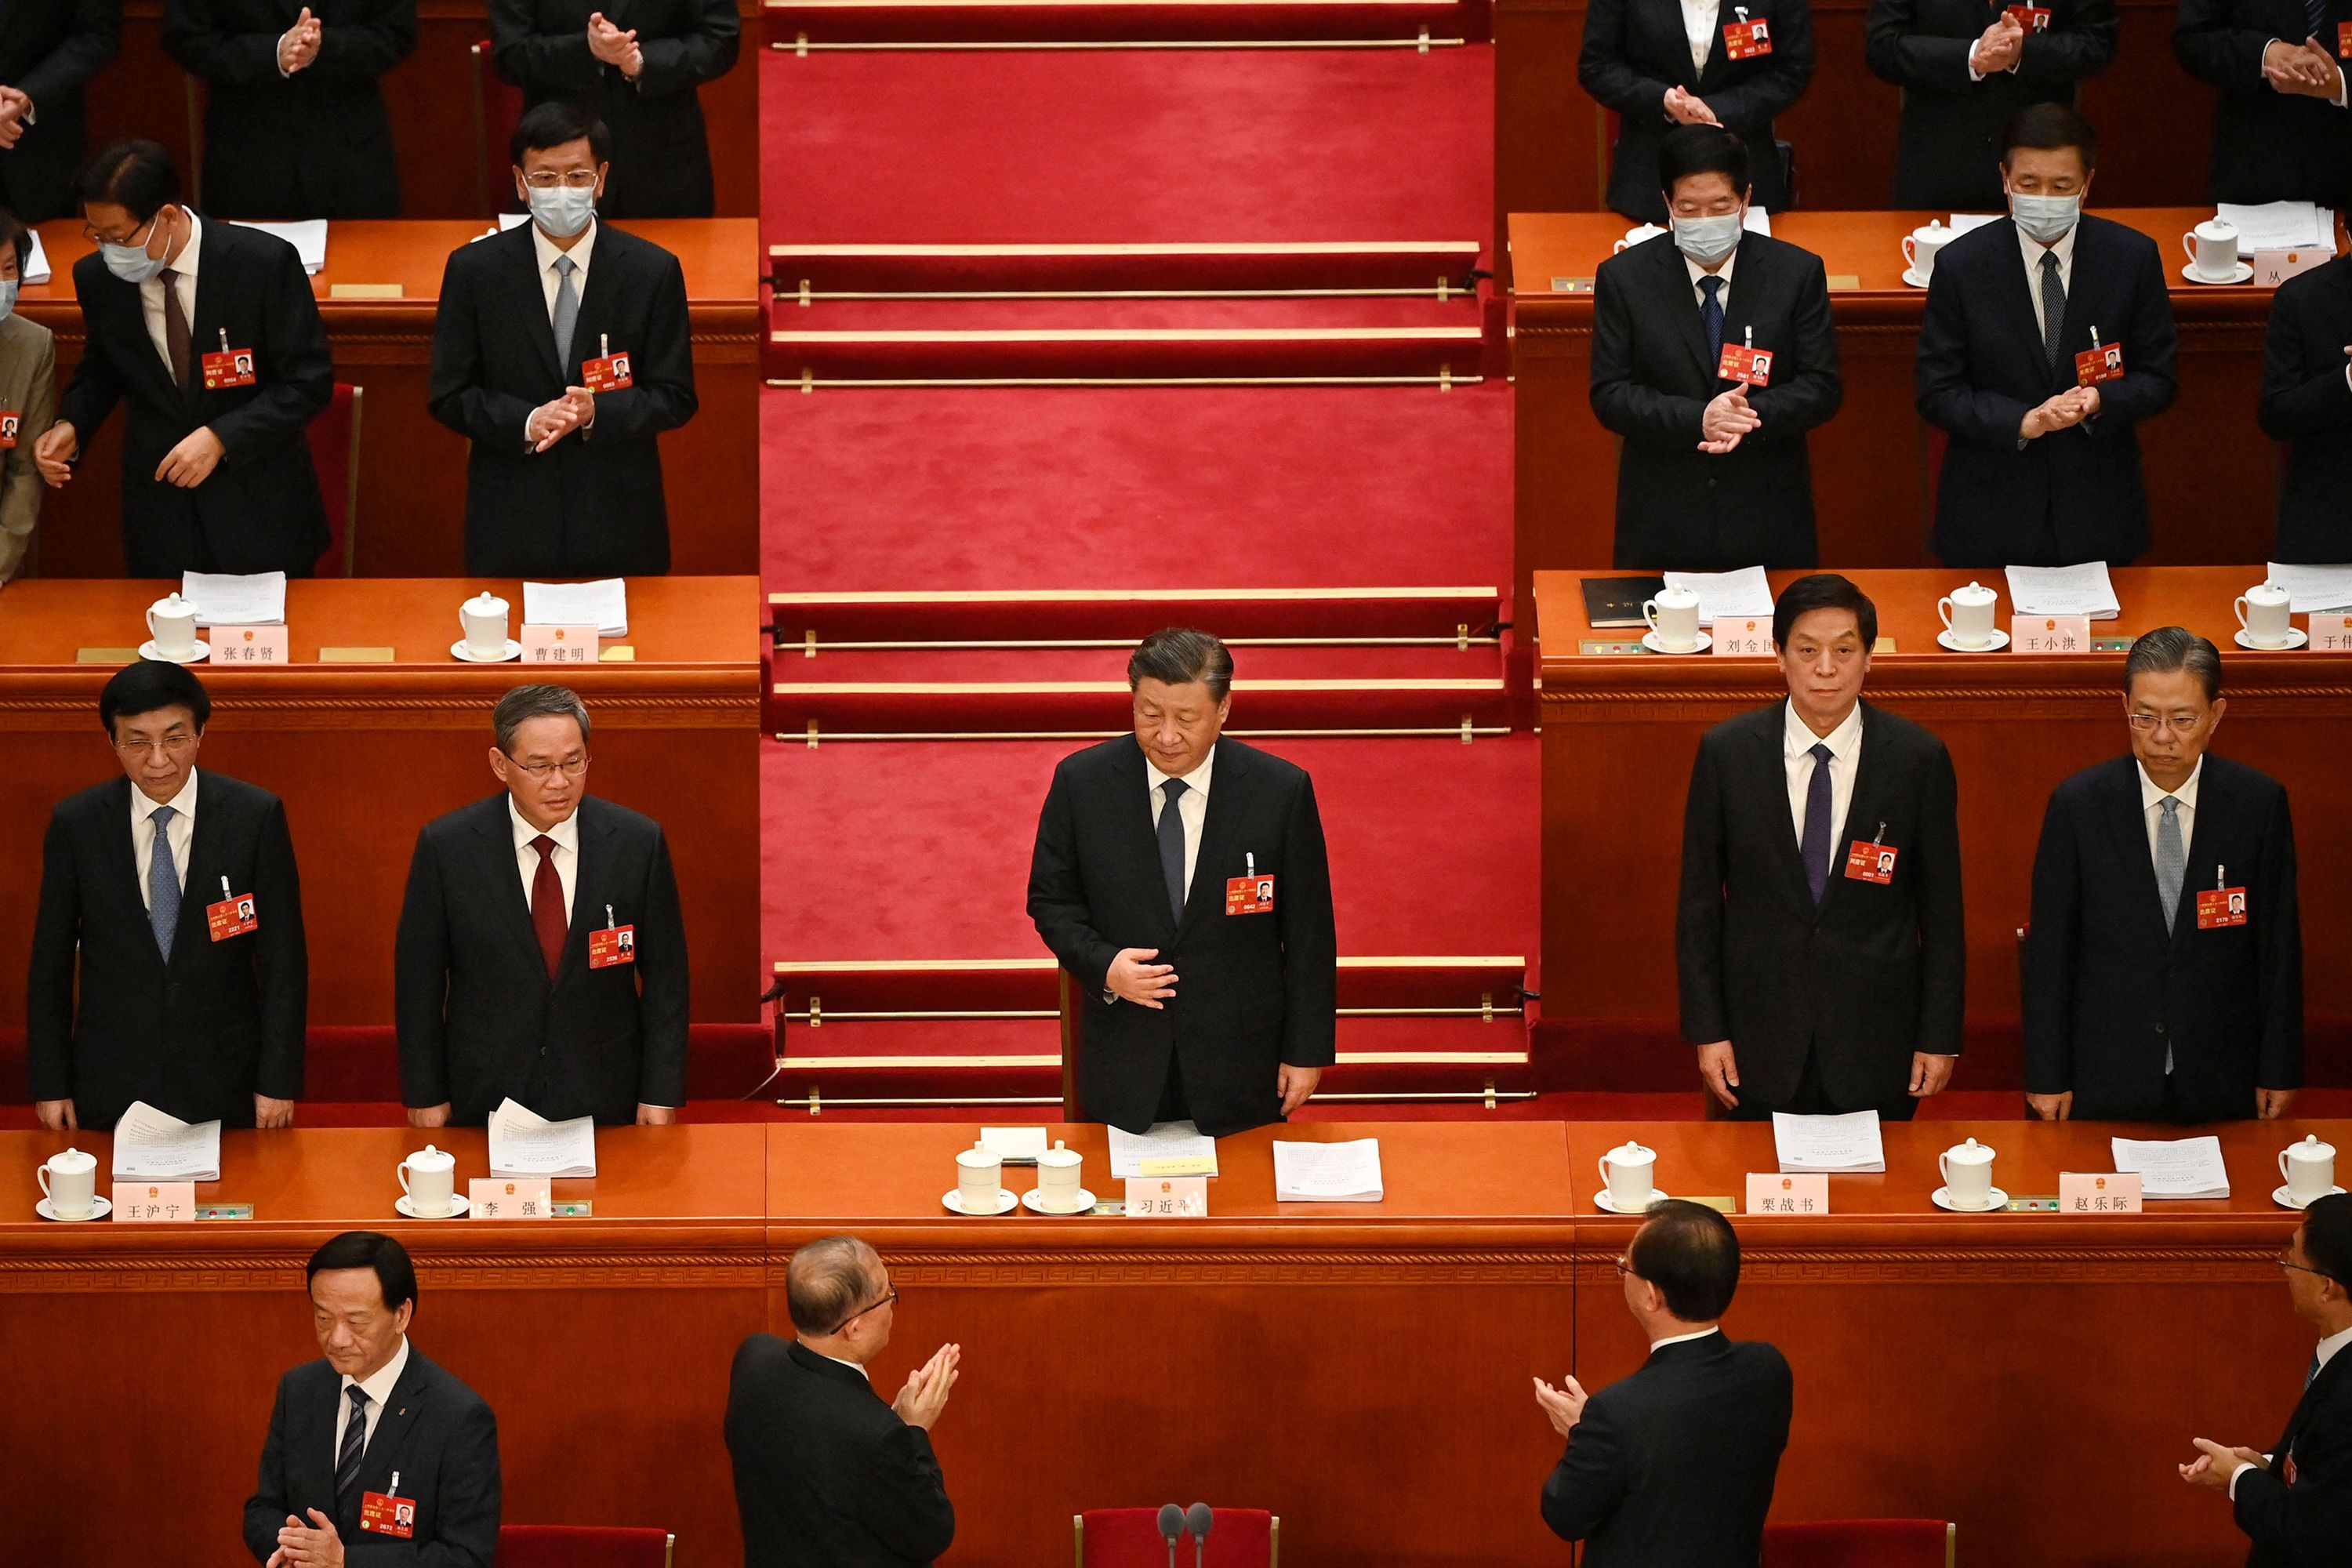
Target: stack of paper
[1836, 1144]
[1347, 1173]
[1756, 220]
[151, 1145]
[1727, 596]
[2083, 590]
[2313, 587]
[525, 1143]
[1014, 1145]
[2176, 1167]
[2278, 225]
[1178, 1141]
[223, 599]
[36, 265]
[1963, 222]
[309, 238]
[603, 603]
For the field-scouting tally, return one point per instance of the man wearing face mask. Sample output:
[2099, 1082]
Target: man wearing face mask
[1713, 473]
[561, 350]
[2048, 338]
[28, 400]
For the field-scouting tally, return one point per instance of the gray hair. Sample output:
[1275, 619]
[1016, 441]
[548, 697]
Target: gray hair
[2168, 648]
[827, 1281]
[528, 702]
[1179, 657]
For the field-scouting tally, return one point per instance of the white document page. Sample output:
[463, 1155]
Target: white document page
[226, 599]
[151, 1145]
[1833, 1143]
[2272, 225]
[1014, 1145]
[308, 237]
[2083, 590]
[36, 265]
[1347, 1173]
[1166, 1141]
[2313, 588]
[603, 603]
[1727, 596]
[525, 1143]
[1963, 222]
[2174, 1167]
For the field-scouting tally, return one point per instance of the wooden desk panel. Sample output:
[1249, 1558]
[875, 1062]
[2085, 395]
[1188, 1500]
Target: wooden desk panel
[411, 465]
[365, 754]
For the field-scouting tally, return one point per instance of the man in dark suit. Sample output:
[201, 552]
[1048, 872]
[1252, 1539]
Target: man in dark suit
[2043, 469]
[49, 51]
[2148, 992]
[2306, 401]
[216, 473]
[149, 982]
[295, 126]
[1966, 67]
[375, 1456]
[1744, 65]
[1198, 1007]
[1814, 978]
[561, 350]
[1714, 473]
[2281, 133]
[1676, 1463]
[826, 1474]
[2295, 1503]
[510, 979]
[637, 65]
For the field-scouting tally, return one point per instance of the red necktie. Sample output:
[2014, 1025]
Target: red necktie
[547, 915]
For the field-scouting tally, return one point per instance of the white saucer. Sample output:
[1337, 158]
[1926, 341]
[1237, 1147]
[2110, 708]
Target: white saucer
[1999, 641]
[2296, 638]
[2282, 1197]
[2244, 270]
[460, 1206]
[1601, 1200]
[1650, 641]
[101, 1207]
[457, 651]
[1911, 275]
[953, 1197]
[1995, 1200]
[203, 651]
[1029, 1200]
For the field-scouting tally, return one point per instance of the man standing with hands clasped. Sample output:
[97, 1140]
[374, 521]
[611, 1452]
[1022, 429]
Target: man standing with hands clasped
[2282, 132]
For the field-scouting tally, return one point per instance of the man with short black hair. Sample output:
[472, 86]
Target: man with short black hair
[1207, 1001]
[1815, 978]
[1713, 474]
[1676, 1463]
[2164, 960]
[373, 1444]
[826, 1473]
[168, 962]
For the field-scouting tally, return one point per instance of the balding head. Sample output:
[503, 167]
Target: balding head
[829, 1279]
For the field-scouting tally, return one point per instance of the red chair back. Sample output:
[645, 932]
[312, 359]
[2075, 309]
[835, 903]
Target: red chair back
[1855, 1543]
[582, 1546]
[1130, 1538]
[335, 453]
[498, 105]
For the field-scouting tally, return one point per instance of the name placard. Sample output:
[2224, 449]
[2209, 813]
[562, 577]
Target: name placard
[1775, 1192]
[559, 644]
[255, 646]
[2272, 268]
[1168, 1197]
[1743, 639]
[154, 1203]
[2332, 632]
[2098, 1192]
[504, 1197]
[2050, 634]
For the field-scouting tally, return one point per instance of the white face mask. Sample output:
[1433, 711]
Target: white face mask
[130, 262]
[2045, 219]
[7, 299]
[1707, 240]
[562, 211]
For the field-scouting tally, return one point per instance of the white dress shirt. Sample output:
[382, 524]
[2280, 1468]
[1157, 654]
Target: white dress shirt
[379, 1388]
[566, 855]
[1683, 1339]
[2151, 808]
[1698, 28]
[1698, 289]
[549, 279]
[150, 294]
[181, 832]
[850, 1365]
[1193, 806]
[2327, 1349]
[1797, 742]
[2032, 250]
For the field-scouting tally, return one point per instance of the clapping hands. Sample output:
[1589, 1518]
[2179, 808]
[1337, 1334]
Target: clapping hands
[1727, 420]
[1998, 47]
[921, 1402]
[298, 46]
[615, 48]
[552, 421]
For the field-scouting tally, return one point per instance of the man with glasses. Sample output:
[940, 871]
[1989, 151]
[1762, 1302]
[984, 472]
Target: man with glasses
[826, 1473]
[2164, 963]
[172, 896]
[561, 351]
[511, 977]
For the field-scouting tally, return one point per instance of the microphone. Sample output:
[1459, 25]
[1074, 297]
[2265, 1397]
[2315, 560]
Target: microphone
[1197, 1519]
[1172, 1525]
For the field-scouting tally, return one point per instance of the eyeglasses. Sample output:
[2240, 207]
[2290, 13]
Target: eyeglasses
[170, 745]
[2178, 723]
[1625, 1267]
[2301, 1268]
[570, 769]
[888, 1299]
[571, 180]
[95, 237]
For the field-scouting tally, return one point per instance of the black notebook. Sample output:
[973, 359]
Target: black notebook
[1617, 601]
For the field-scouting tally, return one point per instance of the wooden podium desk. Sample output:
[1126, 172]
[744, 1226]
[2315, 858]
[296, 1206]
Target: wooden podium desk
[411, 465]
[364, 754]
[1620, 734]
[2211, 487]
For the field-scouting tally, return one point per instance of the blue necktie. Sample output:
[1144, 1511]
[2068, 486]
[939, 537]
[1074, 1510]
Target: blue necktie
[2316, 12]
[1171, 848]
[1710, 316]
[347, 1459]
[567, 310]
[1816, 847]
[164, 884]
[2313, 1375]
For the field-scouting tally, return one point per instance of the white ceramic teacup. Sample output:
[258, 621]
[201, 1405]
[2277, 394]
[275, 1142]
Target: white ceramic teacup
[1674, 616]
[1967, 614]
[1627, 1168]
[1637, 235]
[980, 1177]
[2213, 250]
[2309, 1168]
[1920, 245]
[429, 1177]
[1058, 1173]
[2264, 612]
[484, 619]
[1966, 1170]
[172, 623]
[70, 1181]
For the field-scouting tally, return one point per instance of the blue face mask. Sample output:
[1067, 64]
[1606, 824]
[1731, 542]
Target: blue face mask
[2045, 219]
[562, 212]
[1707, 240]
[130, 262]
[7, 299]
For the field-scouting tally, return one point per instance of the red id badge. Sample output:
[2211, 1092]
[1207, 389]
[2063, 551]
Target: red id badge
[384, 1515]
[1868, 862]
[232, 916]
[2105, 363]
[229, 367]
[1746, 40]
[615, 944]
[2344, 40]
[1739, 362]
[2220, 907]
[9, 421]
[2033, 18]
[610, 373]
[1249, 896]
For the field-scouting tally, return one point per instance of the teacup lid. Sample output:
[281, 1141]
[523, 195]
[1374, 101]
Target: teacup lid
[485, 603]
[171, 601]
[69, 1159]
[1631, 1150]
[2311, 1143]
[430, 1155]
[1971, 1149]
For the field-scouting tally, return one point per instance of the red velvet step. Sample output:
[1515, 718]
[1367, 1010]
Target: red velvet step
[825, 622]
[854, 989]
[848, 24]
[1425, 266]
[1435, 356]
[848, 709]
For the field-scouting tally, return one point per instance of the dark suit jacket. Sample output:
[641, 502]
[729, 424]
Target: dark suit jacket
[591, 505]
[2072, 495]
[827, 1476]
[1676, 1463]
[1948, 144]
[315, 145]
[2307, 402]
[2304, 1524]
[1635, 50]
[201, 1036]
[1254, 991]
[1871, 974]
[434, 1430]
[2109, 982]
[48, 50]
[260, 510]
[479, 1020]
[661, 154]
[2268, 146]
[1678, 508]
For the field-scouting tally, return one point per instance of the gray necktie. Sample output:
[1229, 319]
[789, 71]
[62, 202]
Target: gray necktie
[347, 1459]
[163, 883]
[567, 310]
[1171, 847]
[2171, 860]
[2053, 309]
